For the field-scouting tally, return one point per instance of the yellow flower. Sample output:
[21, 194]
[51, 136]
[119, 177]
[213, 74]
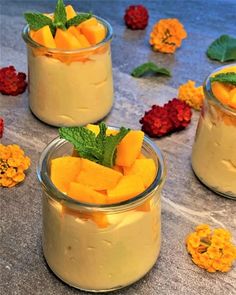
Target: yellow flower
[167, 35]
[212, 251]
[13, 163]
[192, 95]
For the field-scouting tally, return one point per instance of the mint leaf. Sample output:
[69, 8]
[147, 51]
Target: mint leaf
[78, 19]
[149, 67]
[229, 77]
[110, 147]
[222, 49]
[60, 15]
[100, 149]
[37, 20]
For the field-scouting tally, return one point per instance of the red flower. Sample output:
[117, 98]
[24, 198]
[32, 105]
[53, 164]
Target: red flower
[174, 115]
[1, 127]
[136, 17]
[11, 82]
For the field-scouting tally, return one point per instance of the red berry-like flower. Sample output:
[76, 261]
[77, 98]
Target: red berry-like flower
[136, 17]
[159, 121]
[11, 82]
[1, 127]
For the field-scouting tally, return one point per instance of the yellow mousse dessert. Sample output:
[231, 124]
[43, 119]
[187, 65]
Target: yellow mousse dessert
[105, 232]
[214, 150]
[70, 69]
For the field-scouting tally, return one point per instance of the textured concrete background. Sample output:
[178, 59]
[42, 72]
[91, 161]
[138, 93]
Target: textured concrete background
[185, 201]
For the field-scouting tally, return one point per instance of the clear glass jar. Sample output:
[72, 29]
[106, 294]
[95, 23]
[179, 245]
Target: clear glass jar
[100, 247]
[214, 149]
[73, 87]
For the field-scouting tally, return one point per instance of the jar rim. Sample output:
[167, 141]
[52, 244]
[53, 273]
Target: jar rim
[45, 180]
[208, 92]
[109, 35]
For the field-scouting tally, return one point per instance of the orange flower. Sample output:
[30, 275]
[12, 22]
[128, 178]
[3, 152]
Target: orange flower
[192, 95]
[211, 250]
[13, 163]
[167, 35]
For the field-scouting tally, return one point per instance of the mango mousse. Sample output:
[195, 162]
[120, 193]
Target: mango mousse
[106, 239]
[214, 150]
[70, 70]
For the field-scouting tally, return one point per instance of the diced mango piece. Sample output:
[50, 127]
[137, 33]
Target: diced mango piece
[128, 187]
[94, 33]
[64, 170]
[129, 148]
[141, 156]
[89, 22]
[85, 194]
[44, 37]
[118, 168]
[95, 129]
[66, 40]
[70, 13]
[83, 41]
[220, 91]
[74, 31]
[96, 176]
[145, 168]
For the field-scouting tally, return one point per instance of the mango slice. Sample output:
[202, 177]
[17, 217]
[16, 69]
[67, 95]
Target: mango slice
[95, 129]
[85, 194]
[96, 176]
[83, 41]
[221, 91]
[128, 187]
[66, 40]
[141, 156]
[145, 168]
[44, 37]
[63, 171]
[70, 12]
[73, 31]
[89, 22]
[129, 148]
[94, 33]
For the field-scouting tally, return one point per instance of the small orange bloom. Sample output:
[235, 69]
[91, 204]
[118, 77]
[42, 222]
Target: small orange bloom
[13, 163]
[167, 35]
[211, 251]
[192, 95]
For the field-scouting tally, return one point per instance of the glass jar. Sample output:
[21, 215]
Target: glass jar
[214, 149]
[100, 247]
[70, 87]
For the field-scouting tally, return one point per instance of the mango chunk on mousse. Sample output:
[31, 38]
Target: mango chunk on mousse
[89, 182]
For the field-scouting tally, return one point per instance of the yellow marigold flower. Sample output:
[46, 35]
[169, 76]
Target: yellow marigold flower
[192, 95]
[212, 251]
[167, 35]
[13, 163]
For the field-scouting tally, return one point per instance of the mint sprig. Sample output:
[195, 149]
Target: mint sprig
[229, 78]
[60, 15]
[100, 149]
[149, 67]
[38, 20]
[222, 49]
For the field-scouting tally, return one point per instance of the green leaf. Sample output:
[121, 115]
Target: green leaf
[149, 67]
[100, 149]
[78, 19]
[37, 20]
[110, 147]
[229, 77]
[222, 49]
[60, 15]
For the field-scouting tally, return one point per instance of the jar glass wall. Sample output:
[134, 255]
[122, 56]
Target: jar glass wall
[70, 87]
[214, 149]
[100, 247]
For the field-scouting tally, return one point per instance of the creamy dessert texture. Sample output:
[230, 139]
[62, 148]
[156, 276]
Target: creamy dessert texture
[93, 258]
[70, 94]
[214, 150]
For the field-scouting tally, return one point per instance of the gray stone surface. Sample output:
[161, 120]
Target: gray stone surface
[185, 201]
